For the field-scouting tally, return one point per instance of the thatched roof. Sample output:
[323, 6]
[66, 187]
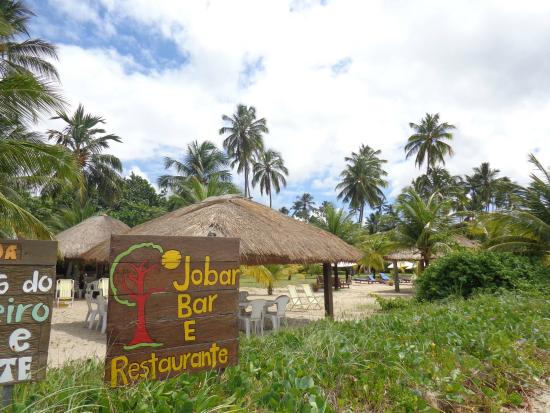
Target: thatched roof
[414, 254]
[267, 236]
[75, 241]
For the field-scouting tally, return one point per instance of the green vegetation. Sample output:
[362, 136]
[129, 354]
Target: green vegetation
[486, 352]
[464, 273]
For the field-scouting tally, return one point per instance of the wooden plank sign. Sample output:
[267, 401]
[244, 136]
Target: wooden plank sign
[27, 285]
[172, 306]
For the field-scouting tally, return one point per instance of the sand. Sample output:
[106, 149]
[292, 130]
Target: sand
[70, 340]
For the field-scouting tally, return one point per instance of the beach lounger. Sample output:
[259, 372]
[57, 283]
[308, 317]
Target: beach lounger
[384, 278]
[361, 280]
[295, 299]
[311, 300]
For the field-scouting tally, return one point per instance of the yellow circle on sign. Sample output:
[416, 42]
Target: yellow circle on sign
[171, 259]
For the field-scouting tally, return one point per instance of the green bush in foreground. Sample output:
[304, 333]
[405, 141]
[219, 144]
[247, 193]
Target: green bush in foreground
[463, 355]
[465, 272]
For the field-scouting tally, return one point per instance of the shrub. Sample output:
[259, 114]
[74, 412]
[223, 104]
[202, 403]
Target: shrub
[387, 304]
[465, 272]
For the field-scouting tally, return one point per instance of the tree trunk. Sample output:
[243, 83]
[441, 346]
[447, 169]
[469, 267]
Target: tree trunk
[270, 288]
[270, 198]
[246, 190]
[327, 290]
[336, 281]
[361, 214]
[395, 276]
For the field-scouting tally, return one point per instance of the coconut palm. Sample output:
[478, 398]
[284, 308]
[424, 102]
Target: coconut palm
[269, 171]
[73, 214]
[86, 140]
[527, 231]
[338, 222]
[27, 163]
[193, 191]
[267, 274]
[422, 225]
[202, 160]
[428, 142]
[362, 180]
[27, 78]
[244, 139]
[374, 248]
[303, 206]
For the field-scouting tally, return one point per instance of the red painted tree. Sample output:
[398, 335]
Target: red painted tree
[137, 292]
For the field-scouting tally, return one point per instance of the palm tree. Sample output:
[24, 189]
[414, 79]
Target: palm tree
[374, 249]
[487, 189]
[193, 191]
[338, 222]
[244, 139]
[269, 171]
[86, 141]
[73, 214]
[27, 163]
[428, 142]
[202, 160]
[527, 231]
[303, 206]
[422, 225]
[267, 274]
[27, 79]
[362, 180]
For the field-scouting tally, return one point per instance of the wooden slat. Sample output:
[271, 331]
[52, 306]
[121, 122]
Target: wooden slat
[18, 274]
[165, 306]
[30, 252]
[225, 249]
[172, 333]
[134, 366]
[22, 309]
[38, 343]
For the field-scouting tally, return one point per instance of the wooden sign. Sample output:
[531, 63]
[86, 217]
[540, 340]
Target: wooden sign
[27, 286]
[172, 306]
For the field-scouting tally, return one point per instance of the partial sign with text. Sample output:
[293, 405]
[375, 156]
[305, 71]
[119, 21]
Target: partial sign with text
[172, 306]
[27, 286]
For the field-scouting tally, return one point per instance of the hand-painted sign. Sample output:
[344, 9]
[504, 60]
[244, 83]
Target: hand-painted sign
[172, 306]
[27, 284]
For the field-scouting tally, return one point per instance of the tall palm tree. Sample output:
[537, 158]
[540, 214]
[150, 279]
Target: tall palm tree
[83, 137]
[487, 189]
[28, 163]
[244, 139]
[202, 160]
[428, 142]
[27, 79]
[303, 206]
[422, 225]
[269, 171]
[362, 180]
[338, 222]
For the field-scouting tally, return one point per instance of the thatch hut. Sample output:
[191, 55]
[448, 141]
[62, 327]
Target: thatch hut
[75, 241]
[267, 236]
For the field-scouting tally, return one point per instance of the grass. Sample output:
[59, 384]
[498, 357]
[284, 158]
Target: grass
[461, 355]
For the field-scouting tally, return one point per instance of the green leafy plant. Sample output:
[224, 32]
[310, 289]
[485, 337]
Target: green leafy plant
[465, 272]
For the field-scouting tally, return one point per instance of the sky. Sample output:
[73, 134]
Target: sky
[328, 75]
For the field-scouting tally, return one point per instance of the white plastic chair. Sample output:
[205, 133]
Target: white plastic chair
[312, 301]
[254, 318]
[64, 291]
[295, 299]
[280, 314]
[102, 313]
[103, 287]
[92, 312]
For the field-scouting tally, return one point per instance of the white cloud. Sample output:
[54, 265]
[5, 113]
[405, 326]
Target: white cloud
[482, 65]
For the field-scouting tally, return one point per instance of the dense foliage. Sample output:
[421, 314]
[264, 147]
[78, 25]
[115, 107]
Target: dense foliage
[463, 273]
[486, 352]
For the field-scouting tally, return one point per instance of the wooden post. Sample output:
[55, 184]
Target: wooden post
[7, 395]
[395, 275]
[327, 290]
[336, 281]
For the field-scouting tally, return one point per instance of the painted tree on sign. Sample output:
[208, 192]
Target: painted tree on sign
[128, 288]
